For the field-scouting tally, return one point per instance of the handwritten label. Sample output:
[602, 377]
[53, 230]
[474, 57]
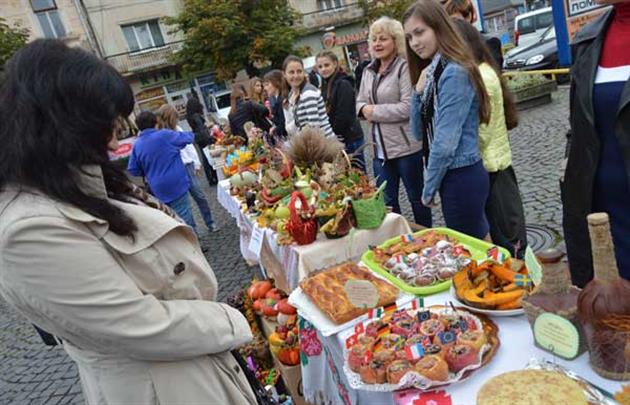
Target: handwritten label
[256, 241]
[534, 269]
[556, 335]
[361, 293]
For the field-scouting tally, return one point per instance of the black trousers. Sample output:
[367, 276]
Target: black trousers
[211, 175]
[504, 210]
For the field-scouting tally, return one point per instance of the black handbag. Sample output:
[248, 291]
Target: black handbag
[262, 396]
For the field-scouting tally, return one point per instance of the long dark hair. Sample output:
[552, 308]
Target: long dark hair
[276, 78]
[285, 64]
[329, 82]
[58, 109]
[450, 45]
[481, 53]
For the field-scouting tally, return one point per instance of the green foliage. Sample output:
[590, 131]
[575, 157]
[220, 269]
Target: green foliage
[518, 83]
[378, 8]
[11, 39]
[229, 35]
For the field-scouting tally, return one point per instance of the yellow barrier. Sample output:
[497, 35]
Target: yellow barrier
[552, 72]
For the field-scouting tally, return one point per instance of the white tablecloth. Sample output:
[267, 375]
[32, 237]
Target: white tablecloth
[288, 264]
[324, 381]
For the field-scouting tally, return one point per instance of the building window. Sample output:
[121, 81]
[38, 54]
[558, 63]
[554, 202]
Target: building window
[48, 17]
[329, 4]
[144, 35]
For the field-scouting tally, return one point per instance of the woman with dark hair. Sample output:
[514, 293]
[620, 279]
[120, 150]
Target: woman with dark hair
[276, 92]
[304, 106]
[197, 123]
[242, 111]
[91, 258]
[338, 93]
[449, 102]
[504, 208]
[597, 176]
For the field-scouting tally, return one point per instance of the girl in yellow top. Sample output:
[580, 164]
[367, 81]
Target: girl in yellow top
[504, 208]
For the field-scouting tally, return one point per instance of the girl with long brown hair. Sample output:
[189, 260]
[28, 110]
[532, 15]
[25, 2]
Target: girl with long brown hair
[275, 87]
[338, 94]
[167, 118]
[449, 102]
[504, 208]
[256, 90]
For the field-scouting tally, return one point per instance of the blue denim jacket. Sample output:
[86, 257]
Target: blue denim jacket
[456, 140]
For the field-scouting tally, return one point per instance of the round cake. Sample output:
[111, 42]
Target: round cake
[526, 387]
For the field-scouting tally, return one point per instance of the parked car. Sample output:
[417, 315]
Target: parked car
[542, 54]
[220, 106]
[528, 27]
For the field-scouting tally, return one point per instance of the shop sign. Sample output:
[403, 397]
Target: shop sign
[162, 77]
[352, 38]
[150, 93]
[579, 13]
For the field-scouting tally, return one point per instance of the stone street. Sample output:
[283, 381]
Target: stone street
[31, 373]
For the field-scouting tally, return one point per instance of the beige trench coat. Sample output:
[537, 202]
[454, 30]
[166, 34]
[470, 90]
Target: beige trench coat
[137, 316]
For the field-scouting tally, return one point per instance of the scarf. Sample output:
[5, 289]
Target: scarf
[430, 103]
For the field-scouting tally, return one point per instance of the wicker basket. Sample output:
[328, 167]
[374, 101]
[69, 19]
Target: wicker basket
[556, 286]
[608, 334]
[370, 212]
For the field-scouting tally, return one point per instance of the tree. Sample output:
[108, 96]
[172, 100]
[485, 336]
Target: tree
[378, 8]
[229, 35]
[12, 38]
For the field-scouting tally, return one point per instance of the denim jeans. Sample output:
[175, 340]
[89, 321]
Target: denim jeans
[181, 206]
[409, 169]
[358, 160]
[198, 195]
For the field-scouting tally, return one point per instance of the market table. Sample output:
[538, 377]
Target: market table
[217, 163]
[324, 381]
[288, 264]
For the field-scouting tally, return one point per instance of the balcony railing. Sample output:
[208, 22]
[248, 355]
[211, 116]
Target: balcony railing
[316, 20]
[129, 63]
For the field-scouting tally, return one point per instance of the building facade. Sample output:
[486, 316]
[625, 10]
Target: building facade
[59, 19]
[335, 25]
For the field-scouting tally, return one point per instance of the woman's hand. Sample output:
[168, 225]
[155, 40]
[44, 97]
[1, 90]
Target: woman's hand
[431, 203]
[421, 81]
[368, 112]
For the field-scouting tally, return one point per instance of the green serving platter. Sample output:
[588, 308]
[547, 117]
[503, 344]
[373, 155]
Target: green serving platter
[477, 248]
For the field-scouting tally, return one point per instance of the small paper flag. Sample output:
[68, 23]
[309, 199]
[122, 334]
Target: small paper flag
[359, 328]
[522, 280]
[463, 325]
[368, 356]
[407, 238]
[384, 330]
[390, 308]
[351, 341]
[446, 337]
[417, 303]
[423, 316]
[426, 341]
[414, 352]
[375, 312]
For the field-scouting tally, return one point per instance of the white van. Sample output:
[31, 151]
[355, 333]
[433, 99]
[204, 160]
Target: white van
[528, 27]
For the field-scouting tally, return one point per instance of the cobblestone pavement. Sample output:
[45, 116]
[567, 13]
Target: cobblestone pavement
[31, 373]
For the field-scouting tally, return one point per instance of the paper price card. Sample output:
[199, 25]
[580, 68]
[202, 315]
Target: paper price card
[556, 335]
[256, 241]
[361, 293]
[534, 269]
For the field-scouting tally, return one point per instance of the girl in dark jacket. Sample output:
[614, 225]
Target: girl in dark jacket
[243, 111]
[273, 83]
[338, 94]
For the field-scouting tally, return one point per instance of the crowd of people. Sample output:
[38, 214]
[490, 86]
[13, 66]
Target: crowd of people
[118, 274]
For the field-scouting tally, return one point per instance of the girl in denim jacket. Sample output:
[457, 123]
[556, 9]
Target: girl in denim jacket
[448, 103]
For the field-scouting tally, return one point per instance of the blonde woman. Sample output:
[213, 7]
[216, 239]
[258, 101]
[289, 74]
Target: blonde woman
[256, 91]
[384, 100]
[167, 119]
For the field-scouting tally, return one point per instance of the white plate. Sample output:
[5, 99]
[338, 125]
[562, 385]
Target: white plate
[491, 312]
